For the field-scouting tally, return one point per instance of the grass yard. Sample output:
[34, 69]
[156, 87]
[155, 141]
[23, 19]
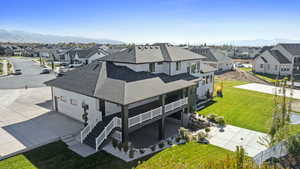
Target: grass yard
[58, 156]
[187, 156]
[244, 108]
[246, 69]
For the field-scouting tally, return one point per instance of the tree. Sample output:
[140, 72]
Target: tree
[279, 129]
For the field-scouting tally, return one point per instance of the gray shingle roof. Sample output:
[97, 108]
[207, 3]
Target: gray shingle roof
[158, 52]
[119, 84]
[279, 57]
[213, 55]
[292, 48]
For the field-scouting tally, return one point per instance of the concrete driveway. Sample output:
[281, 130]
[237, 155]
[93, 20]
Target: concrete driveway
[269, 89]
[235, 136]
[26, 121]
[30, 75]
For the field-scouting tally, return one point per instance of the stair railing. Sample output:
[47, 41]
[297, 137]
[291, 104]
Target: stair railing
[88, 129]
[115, 122]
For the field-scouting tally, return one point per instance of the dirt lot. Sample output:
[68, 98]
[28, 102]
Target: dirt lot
[239, 75]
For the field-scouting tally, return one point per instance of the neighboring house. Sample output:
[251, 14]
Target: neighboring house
[282, 59]
[82, 56]
[215, 58]
[132, 88]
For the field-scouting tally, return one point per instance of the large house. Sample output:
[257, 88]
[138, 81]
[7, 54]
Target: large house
[135, 87]
[215, 58]
[282, 59]
[82, 56]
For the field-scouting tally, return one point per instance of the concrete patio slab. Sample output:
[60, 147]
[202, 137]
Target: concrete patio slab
[269, 89]
[233, 136]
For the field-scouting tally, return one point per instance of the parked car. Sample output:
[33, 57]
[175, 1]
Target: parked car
[45, 71]
[18, 72]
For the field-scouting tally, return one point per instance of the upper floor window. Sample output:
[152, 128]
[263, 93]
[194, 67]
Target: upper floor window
[276, 67]
[178, 66]
[152, 67]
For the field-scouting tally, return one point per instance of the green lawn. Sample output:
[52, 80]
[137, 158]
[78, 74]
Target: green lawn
[247, 69]
[58, 156]
[187, 156]
[244, 108]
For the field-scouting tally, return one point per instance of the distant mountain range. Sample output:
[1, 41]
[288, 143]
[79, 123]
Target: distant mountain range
[27, 37]
[256, 42]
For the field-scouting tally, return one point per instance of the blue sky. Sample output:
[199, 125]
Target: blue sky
[141, 21]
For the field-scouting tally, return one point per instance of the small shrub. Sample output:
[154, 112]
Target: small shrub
[220, 120]
[189, 137]
[177, 139]
[211, 117]
[169, 142]
[114, 142]
[125, 147]
[201, 136]
[161, 145]
[153, 147]
[120, 146]
[131, 153]
[207, 129]
[142, 151]
[182, 132]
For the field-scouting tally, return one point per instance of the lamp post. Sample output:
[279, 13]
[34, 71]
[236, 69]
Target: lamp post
[85, 114]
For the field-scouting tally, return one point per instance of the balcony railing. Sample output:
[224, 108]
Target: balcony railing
[156, 112]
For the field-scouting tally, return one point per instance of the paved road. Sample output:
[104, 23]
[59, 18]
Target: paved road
[30, 75]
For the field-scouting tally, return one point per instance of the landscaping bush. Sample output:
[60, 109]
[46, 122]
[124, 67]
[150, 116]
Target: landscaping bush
[142, 151]
[169, 142]
[182, 132]
[120, 146]
[201, 136]
[220, 120]
[207, 129]
[153, 147]
[211, 117]
[131, 153]
[125, 147]
[114, 142]
[189, 137]
[177, 139]
[161, 145]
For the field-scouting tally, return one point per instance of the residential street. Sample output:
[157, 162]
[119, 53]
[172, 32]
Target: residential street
[30, 75]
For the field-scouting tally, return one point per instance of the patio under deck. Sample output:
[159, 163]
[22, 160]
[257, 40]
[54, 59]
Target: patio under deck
[148, 135]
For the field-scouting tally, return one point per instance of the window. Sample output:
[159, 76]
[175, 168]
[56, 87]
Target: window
[178, 66]
[152, 67]
[276, 67]
[261, 66]
[73, 102]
